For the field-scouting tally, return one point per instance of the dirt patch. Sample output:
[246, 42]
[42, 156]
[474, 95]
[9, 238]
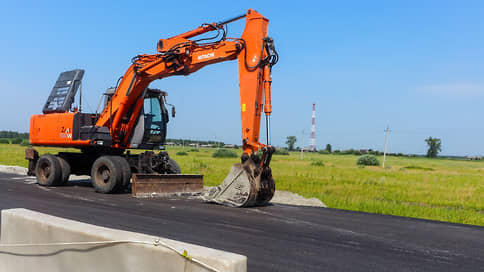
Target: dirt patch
[289, 198]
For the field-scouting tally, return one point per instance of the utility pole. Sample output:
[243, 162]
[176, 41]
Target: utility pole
[302, 148]
[386, 143]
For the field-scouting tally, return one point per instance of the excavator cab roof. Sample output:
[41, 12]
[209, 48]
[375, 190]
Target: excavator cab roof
[155, 93]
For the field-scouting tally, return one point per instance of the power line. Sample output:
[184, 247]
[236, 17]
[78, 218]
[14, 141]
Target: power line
[302, 147]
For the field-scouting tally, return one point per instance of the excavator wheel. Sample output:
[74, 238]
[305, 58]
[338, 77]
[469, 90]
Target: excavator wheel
[125, 172]
[106, 175]
[173, 167]
[246, 185]
[65, 170]
[48, 170]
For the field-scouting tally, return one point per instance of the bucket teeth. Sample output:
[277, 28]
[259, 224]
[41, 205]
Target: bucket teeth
[246, 185]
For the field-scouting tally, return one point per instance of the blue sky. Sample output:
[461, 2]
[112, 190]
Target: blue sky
[416, 66]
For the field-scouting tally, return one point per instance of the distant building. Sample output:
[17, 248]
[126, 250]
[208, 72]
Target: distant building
[206, 145]
[474, 158]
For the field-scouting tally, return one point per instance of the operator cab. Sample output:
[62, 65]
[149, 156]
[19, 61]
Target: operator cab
[151, 126]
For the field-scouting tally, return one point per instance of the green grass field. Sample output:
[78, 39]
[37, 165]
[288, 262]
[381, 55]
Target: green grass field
[437, 189]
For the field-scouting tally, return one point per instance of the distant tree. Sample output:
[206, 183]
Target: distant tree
[348, 151]
[357, 152]
[328, 148]
[291, 140]
[17, 141]
[435, 146]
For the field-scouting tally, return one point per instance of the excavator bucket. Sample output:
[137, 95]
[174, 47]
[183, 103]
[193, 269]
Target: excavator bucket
[247, 185]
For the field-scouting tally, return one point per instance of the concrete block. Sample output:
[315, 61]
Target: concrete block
[21, 226]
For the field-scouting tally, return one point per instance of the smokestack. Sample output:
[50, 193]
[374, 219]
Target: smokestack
[312, 141]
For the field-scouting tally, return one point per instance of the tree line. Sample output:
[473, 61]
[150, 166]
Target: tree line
[187, 142]
[13, 134]
[434, 147]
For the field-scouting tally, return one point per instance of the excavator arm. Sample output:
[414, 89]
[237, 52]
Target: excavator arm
[179, 55]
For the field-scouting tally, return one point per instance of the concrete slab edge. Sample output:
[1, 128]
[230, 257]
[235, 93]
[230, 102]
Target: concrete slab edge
[22, 226]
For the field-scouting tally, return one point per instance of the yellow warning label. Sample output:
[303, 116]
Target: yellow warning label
[244, 107]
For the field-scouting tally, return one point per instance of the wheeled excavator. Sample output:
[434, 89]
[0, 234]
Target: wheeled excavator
[135, 117]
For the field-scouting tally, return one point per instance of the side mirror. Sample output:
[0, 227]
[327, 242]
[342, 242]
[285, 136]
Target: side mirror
[173, 111]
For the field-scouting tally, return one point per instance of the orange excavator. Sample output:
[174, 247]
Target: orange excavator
[135, 117]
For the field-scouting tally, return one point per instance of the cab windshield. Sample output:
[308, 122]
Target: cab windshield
[154, 124]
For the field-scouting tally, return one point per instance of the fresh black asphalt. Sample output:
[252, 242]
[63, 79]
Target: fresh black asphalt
[274, 238]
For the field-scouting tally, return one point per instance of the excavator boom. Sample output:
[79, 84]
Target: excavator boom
[180, 56]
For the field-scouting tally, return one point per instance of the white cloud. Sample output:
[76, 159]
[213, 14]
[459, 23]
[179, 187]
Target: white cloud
[454, 89]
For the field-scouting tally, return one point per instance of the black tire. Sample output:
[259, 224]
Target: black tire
[173, 167]
[48, 170]
[106, 175]
[65, 170]
[125, 171]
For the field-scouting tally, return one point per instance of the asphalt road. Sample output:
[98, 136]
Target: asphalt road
[274, 238]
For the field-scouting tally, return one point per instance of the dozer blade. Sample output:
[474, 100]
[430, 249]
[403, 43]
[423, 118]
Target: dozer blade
[159, 185]
[246, 185]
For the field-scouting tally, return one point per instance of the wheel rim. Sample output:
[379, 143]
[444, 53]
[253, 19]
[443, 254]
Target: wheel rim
[103, 174]
[44, 168]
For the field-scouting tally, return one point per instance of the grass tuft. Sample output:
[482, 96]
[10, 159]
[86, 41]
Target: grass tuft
[416, 167]
[368, 160]
[224, 153]
[317, 163]
[281, 151]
